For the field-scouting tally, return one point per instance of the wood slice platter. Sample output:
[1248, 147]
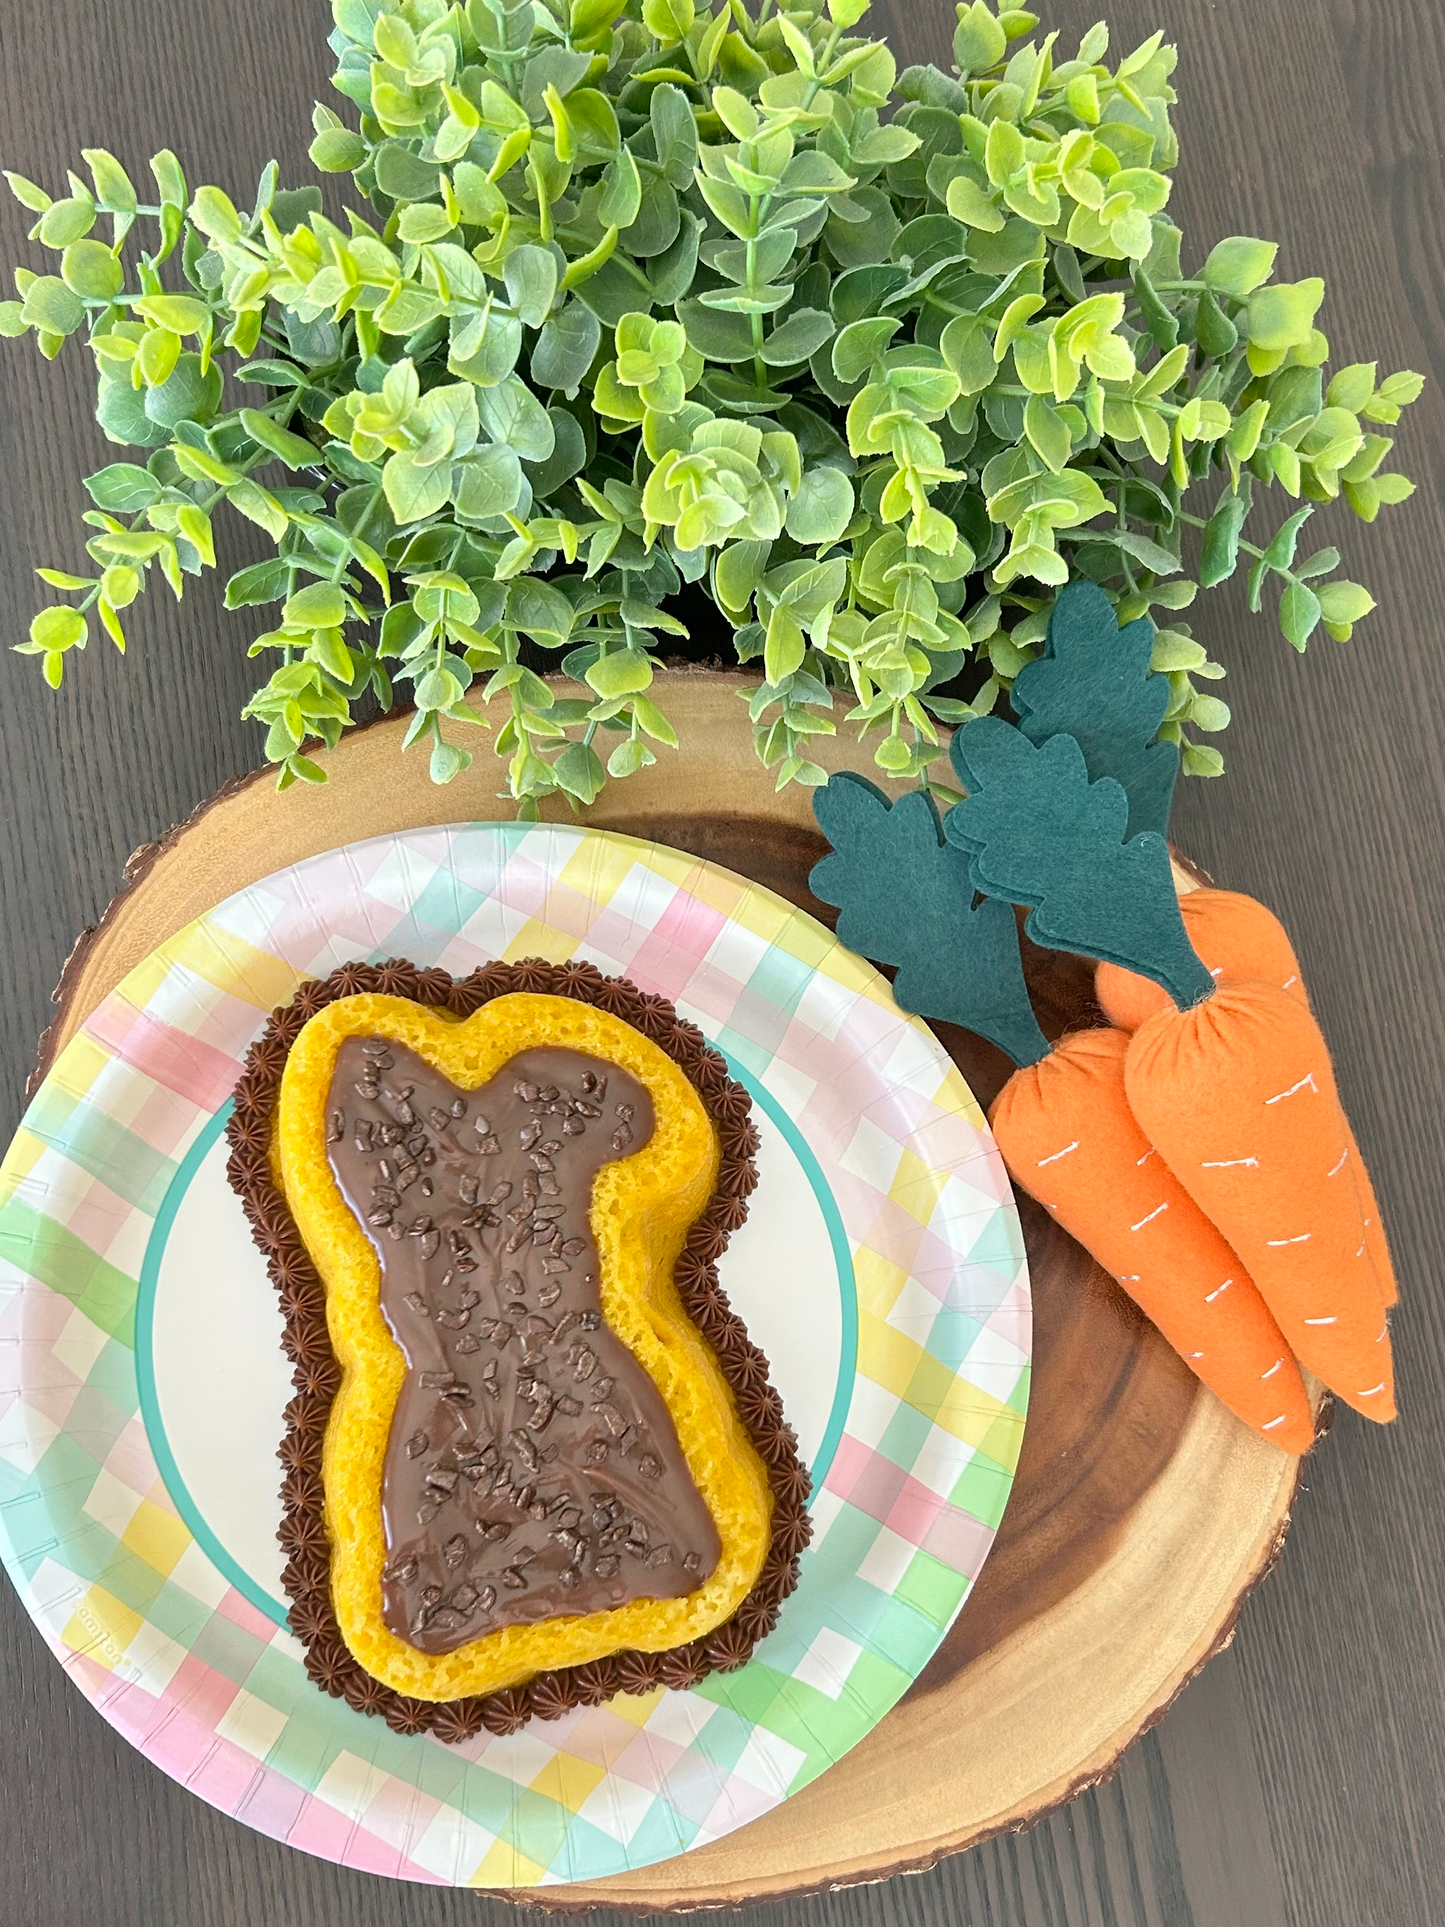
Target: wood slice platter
[1142, 1513]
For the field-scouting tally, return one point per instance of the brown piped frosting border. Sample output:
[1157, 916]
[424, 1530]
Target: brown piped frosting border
[317, 1376]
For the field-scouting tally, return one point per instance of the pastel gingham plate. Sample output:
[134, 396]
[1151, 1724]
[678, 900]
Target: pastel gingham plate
[142, 1379]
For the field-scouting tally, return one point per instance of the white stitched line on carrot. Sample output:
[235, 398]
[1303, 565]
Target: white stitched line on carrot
[1372, 1391]
[1153, 1214]
[1290, 980]
[1272, 1370]
[1322, 1321]
[1280, 1096]
[1269, 1427]
[1340, 1166]
[1210, 1296]
[1054, 1156]
[1146, 1157]
[1224, 1164]
[1303, 1238]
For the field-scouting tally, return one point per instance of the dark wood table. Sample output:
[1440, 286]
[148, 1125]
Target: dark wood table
[1301, 1780]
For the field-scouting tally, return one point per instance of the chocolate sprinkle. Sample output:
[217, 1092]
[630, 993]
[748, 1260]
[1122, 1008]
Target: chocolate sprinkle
[307, 1574]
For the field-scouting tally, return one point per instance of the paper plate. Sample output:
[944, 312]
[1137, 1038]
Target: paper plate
[142, 1378]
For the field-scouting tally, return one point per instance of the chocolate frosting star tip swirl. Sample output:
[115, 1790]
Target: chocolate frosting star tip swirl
[551, 1694]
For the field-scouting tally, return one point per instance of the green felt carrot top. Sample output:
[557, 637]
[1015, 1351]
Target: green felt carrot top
[906, 898]
[1039, 833]
[1094, 683]
[1066, 815]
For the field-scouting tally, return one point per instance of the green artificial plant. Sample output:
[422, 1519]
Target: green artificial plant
[627, 295]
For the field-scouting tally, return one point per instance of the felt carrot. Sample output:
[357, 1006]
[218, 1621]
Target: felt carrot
[1236, 936]
[1206, 1076]
[1062, 1122]
[1069, 1137]
[1238, 1097]
[1233, 936]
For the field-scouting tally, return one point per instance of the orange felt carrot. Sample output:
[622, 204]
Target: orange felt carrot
[1070, 1139]
[1232, 1085]
[1235, 936]
[1064, 1124]
[1238, 1096]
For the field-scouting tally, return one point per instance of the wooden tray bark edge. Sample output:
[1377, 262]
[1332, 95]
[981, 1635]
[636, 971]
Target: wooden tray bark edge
[1183, 1591]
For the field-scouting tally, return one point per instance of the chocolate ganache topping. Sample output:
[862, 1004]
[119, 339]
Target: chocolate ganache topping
[532, 1467]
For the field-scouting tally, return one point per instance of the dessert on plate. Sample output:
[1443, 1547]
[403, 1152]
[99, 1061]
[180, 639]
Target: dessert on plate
[533, 1458]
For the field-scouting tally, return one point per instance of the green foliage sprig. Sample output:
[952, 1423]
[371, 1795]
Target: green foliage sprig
[646, 296]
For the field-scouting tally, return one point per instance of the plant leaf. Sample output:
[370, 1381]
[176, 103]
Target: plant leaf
[488, 484]
[566, 349]
[1219, 554]
[1237, 266]
[820, 508]
[511, 413]
[1299, 613]
[531, 276]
